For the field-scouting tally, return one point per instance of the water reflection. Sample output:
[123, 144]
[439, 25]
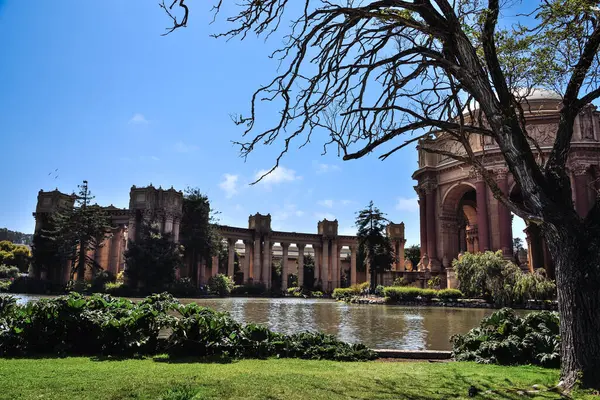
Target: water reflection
[392, 327]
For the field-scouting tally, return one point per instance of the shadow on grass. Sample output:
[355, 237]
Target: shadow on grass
[193, 360]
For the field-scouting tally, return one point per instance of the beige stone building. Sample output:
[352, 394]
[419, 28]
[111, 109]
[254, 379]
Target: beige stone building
[457, 210]
[257, 246]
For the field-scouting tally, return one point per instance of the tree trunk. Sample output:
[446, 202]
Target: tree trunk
[575, 249]
[81, 263]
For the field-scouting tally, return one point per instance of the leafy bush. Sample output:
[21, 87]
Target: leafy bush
[434, 282]
[379, 290]
[7, 272]
[343, 294]
[449, 294]
[316, 294]
[220, 285]
[101, 279]
[24, 284]
[488, 275]
[249, 289]
[184, 287]
[4, 285]
[507, 339]
[402, 293]
[401, 281]
[104, 325]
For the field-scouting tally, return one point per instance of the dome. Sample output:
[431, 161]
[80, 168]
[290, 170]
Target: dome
[538, 94]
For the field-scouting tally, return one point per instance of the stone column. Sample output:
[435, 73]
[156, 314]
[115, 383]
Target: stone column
[214, 266]
[131, 229]
[247, 259]
[400, 255]
[504, 218]
[353, 280]
[335, 265]
[176, 230]
[256, 266]
[266, 267]
[317, 259]
[423, 221]
[201, 278]
[284, 266]
[431, 190]
[115, 251]
[231, 257]
[168, 223]
[300, 264]
[325, 265]
[482, 214]
[581, 191]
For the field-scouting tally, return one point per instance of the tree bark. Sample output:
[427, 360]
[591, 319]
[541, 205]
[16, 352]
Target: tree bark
[576, 252]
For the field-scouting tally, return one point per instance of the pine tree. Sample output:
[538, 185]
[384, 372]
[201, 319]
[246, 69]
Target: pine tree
[373, 242]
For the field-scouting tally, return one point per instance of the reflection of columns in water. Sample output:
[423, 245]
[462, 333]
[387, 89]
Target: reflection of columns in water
[300, 264]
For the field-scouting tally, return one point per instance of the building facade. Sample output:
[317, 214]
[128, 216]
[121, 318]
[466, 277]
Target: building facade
[256, 247]
[458, 212]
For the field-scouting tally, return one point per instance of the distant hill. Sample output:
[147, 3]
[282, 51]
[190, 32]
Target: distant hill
[16, 237]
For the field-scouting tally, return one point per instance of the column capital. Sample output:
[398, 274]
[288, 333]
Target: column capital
[579, 168]
[501, 173]
[231, 241]
[300, 246]
[284, 245]
[429, 185]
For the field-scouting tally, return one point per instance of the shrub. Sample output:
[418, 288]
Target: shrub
[7, 272]
[379, 290]
[220, 285]
[316, 294]
[100, 281]
[4, 285]
[249, 289]
[428, 294]
[401, 281]
[104, 325]
[507, 339]
[184, 287]
[343, 294]
[490, 276]
[434, 282]
[449, 294]
[402, 293]
[119, 289]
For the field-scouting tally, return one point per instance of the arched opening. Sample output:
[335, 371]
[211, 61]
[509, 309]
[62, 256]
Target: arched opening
[459, 227]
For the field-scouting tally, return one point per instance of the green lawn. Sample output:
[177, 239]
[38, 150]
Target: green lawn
[82, 378]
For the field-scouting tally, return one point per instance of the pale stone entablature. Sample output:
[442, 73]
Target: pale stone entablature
[457, 210]
[257, 246]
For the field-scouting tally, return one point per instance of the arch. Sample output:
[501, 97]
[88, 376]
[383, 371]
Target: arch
[453, 196]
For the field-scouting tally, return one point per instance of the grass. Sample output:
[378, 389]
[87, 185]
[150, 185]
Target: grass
[83, 378]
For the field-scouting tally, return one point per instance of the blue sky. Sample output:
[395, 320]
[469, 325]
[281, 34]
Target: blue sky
[91, 88]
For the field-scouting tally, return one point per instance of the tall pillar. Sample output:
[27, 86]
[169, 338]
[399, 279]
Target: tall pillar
[256, 266]
[247, 259]
[325, 264]
[300, 264]
[482, 214]
[168, 227]
[214, 266]
[504, 218]
[115, 251]
[317, 260]
[581, 191]
[423, 221]
[400, 255]
[201, 278]
[231, 257]
[284, 266]
[266, 267]
[353, 280]
[176, 230]
[335, 265]
[431, 190]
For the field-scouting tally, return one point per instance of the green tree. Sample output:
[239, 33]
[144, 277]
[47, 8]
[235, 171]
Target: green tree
[198, 233]
[16, 255]
[152, 260]
[369, 72]
[413, 253]
[373, 241]
[81, 230]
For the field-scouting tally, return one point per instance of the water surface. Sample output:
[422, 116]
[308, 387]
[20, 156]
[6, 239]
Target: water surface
[378, 326]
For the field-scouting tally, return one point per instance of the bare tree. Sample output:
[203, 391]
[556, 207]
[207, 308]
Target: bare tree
[369, 72]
